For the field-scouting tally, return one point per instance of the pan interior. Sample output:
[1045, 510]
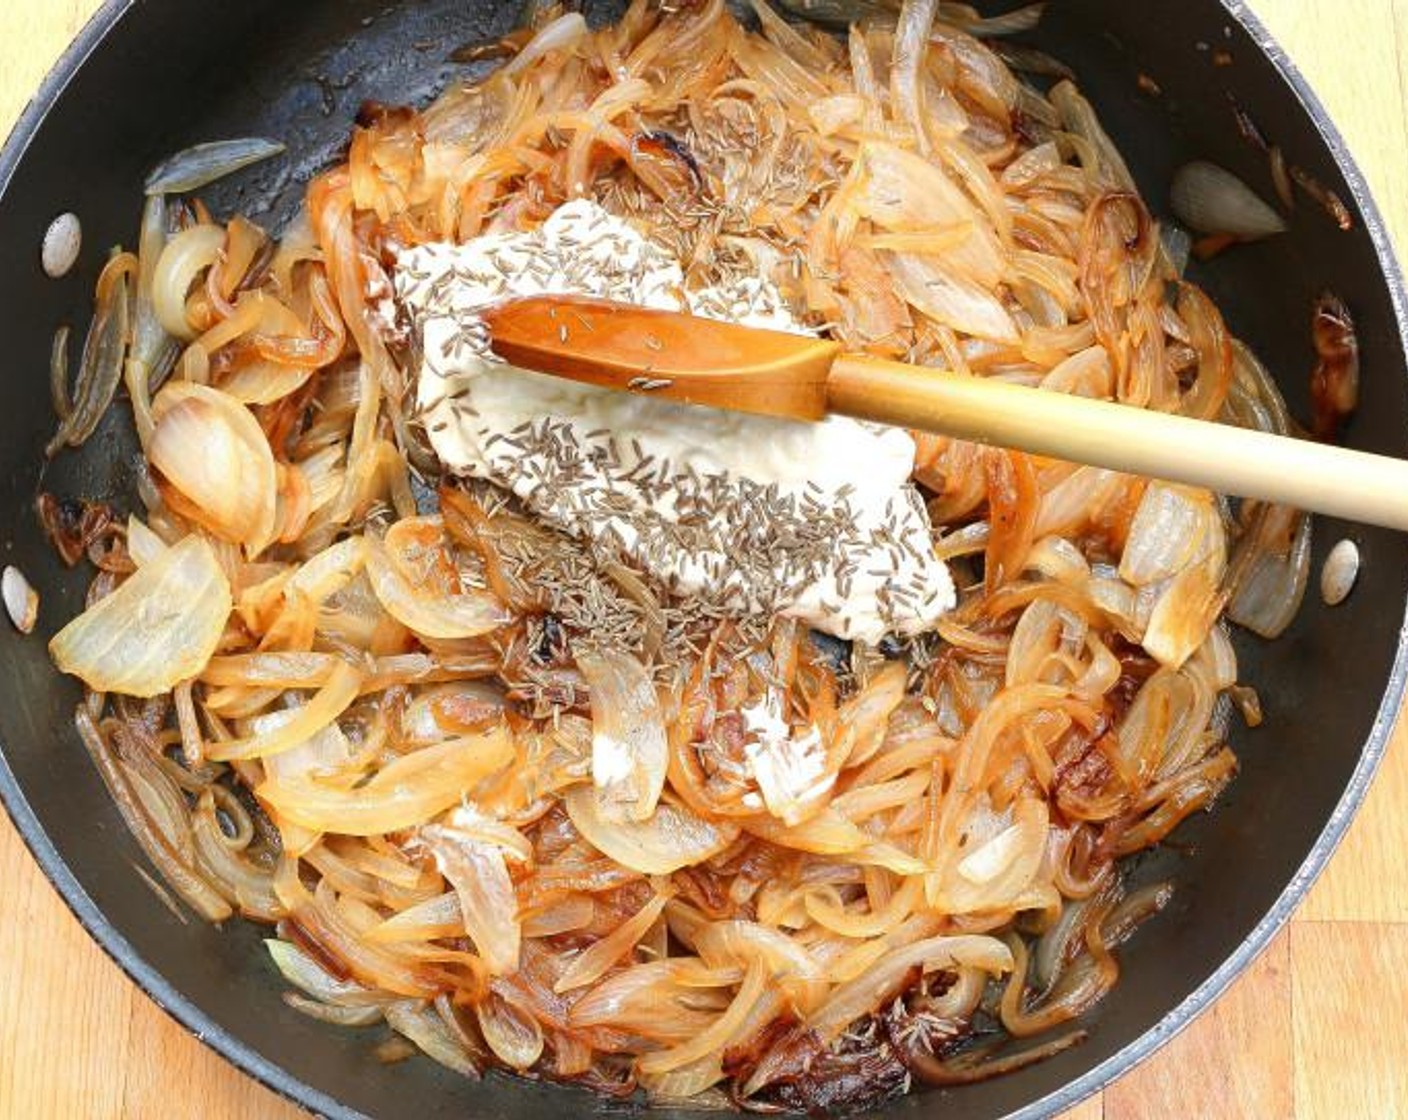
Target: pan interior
[167, 75]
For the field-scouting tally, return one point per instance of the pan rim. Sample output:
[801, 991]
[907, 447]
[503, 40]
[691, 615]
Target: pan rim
[273, 1076]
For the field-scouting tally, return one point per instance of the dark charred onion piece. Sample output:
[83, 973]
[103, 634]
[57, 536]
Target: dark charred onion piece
[984, 1061]
[58, 374]
[862, 1073]
[378, 114]
[99, 370]
[1247, 127]
[1281, 179]
[71, 525]
[1329, 201]
[846, 1082]
[1334, 383]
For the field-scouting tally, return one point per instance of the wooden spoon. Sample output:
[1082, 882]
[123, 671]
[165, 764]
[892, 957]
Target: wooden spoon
[693, 360]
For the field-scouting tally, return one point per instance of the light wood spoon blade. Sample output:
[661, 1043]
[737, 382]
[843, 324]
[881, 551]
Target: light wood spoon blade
[690, 359]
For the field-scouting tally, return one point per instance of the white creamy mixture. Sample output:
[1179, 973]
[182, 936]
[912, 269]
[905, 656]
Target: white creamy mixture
[750, 514]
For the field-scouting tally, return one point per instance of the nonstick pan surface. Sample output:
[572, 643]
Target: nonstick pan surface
[145, 79]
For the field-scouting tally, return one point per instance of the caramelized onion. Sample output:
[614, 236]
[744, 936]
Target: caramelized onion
[594, 961]
[673, 837]
[282, 731]
[890, 974]
[487, 902]
[405, 792]
[182, 260]
[211, 450]
[628, 735]
[427, 600]
[157, 629]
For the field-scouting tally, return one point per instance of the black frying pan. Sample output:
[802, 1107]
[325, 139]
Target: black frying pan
[148, 78]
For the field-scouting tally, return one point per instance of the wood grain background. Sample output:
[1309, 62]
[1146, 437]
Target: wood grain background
[1316, 1030]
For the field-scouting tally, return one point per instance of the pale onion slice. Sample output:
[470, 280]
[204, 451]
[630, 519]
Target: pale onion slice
[469, 822]
[792, 772]
[594, 961]
[714, 1039]
[790, 965]
[513, 1035]
[292, 729]
[825, 906]
[479, 873]
[1210, 199]
[1002, 867]
[410, 791]
[326, 753]
[659, 999]
[629, 748]
[1272, 569]
[900, 190]
[1217, 659]
[1172, 528]
[184, 258]
[673, 838]
[1046, 639]
[202, 164]
[827, 833]
[412, 577]
[210, 448]
[434, 918]
[329, 571]
[562, 34]
[955, 301]
[143, 545]
[561, 915]
[428, 1031]
[21, 600]
[831, 114]
[304, 973]
[1184, 615]
[689, 1087]
[865, 717]
[157, 629]
[265, 382]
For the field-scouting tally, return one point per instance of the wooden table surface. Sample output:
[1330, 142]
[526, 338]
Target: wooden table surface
[1317, 1029]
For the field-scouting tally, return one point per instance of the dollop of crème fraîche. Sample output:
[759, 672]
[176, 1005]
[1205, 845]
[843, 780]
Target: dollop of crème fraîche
[817, 521]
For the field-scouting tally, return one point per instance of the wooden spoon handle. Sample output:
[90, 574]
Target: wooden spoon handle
[1250, 464]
